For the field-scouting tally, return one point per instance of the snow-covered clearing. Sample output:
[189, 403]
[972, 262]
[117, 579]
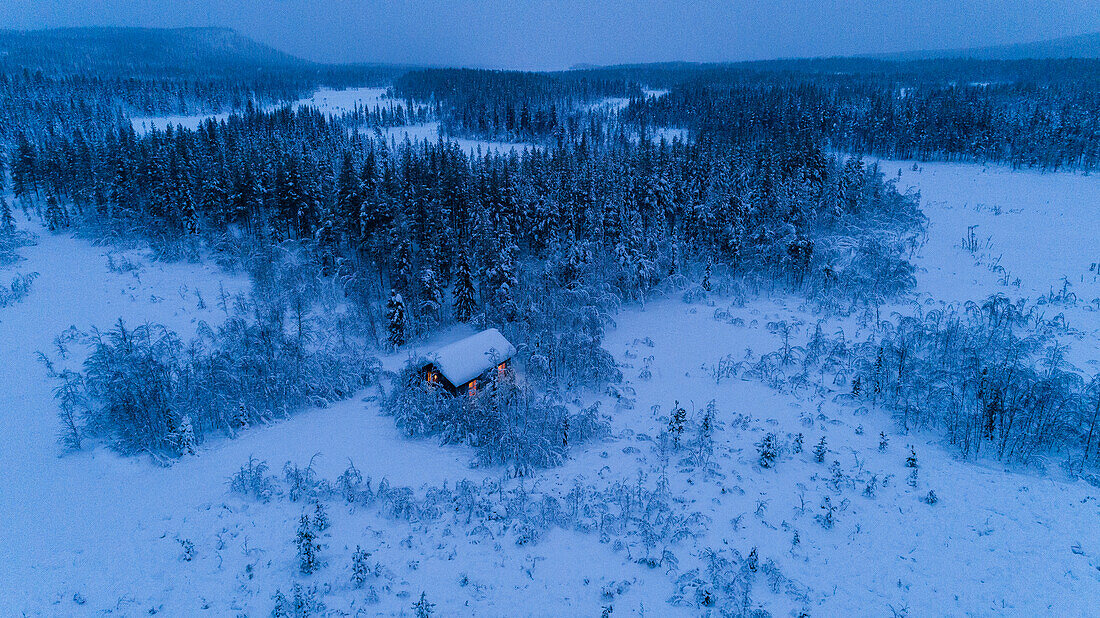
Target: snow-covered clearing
[326, 100]
[620, 103]
[336, 102]
[429, 131]
[92, 532]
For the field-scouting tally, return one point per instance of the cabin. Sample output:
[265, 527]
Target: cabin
[464, 365]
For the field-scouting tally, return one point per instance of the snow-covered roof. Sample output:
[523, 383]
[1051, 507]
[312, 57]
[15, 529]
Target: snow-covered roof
[468, 358]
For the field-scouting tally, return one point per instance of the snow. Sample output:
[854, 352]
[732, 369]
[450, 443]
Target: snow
[337, 102]
[1036, 232]
[468, 358]
[326, 100]
[619, 103]
[997, 542]
[92, 532]
[430, 131]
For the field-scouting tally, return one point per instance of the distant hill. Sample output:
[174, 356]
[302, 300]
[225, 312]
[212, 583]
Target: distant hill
[137, 51]
[1000, 61]
[1080, 46]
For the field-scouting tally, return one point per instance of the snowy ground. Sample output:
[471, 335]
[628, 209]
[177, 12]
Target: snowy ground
[1036, 233]
[92, 533]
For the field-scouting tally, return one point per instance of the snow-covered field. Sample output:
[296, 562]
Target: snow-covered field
[1035, 236]
[92, 533]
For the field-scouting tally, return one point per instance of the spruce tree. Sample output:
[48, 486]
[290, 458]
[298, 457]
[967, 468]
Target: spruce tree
[306, 541]
[56, 216]
[188, 214]
[348, 194]
[465, 304]
[402, 277]
[431, 296]
[676, 423]
[326, 242]
[504, 283]
[422, 607]
[359, 567]
[7, 221]
[23, 167]
[397, 318]
[184, 437]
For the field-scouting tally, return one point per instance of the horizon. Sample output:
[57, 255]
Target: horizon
[557, 36]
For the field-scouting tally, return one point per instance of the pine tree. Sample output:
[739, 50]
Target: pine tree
[820, 450]
[465, 305]
[398, 319]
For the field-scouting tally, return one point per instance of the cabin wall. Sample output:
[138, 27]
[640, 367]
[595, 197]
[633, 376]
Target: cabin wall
[430, 374]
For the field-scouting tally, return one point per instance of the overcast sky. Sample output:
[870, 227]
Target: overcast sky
[557, 34]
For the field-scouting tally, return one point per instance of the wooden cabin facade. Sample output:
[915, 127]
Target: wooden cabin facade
[465, 365]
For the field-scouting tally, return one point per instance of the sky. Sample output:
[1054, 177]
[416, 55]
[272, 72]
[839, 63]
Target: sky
[545, 34]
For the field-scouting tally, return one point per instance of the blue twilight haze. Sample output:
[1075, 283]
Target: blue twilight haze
[558, 34]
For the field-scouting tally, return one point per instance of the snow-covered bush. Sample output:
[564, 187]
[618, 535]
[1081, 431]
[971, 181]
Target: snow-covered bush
[17, 290]
[991, 376]
[253, 480]
[142, 389]
[11, 239]
[506, 422]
